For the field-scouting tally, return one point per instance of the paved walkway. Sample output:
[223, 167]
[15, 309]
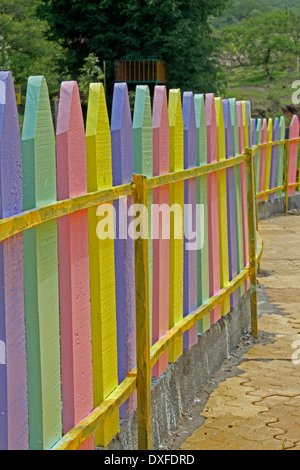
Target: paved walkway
[260, 407]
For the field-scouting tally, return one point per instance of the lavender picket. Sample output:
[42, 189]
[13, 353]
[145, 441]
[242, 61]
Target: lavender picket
[190, 338]
[122, 170]
[13, 373]
[274, 158]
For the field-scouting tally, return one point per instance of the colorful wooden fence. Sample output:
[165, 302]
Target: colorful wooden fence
[97, 293]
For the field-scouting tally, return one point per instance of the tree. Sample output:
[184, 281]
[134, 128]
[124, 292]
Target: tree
[261, 40]
[176, 31]
[23, 47]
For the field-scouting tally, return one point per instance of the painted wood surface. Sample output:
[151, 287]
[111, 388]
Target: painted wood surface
[258, 153]
[161, 245]
[274, 158]
[41, 271]
[190, 298]
[223, 212]
[13, 370]
[122, 168]
[232, 221]
[143, 161]
[213, 204]
[264, 140]
[281, 157]
[102, 264]
[203, 253]
[293, 153]
[244, 139]
[238, 191]
[268, 158]
[73, 250]
[176, 196]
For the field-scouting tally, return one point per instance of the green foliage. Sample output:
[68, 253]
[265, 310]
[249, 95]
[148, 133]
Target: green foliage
[176, 31]
[90, 73]
[23, 47]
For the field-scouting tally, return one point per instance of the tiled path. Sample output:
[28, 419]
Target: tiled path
[260, 407]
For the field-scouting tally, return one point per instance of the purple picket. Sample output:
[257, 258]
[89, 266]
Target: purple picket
[13, 373]
[190, 216]
[274, 158]
[232, 222]
[122, 167]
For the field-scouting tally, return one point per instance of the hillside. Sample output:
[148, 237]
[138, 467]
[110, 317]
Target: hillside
[242, 9]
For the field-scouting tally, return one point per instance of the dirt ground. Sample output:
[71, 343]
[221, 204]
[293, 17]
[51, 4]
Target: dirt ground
[253, 402]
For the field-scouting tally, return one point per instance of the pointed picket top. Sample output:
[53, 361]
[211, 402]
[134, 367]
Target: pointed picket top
[190, 257]
[203, 256]
[102, 263]
[176, 131]
[74, 280]
[176, 195]
[221, 129]
[213, 204]
[254, 134]
[228, 128]
[246, 123]
[70, 144]
[143, 132]
[122, 166]
[258, 153]
[235, 128]
[201, 127]
[281, 156]
[41, 271]
[13, 373]
[38, 146]
[161, 257]
[99, 166]
[249, 120]
[121, 136]
[274, 158]
[293, 152]
[161, 138]
[240, 127]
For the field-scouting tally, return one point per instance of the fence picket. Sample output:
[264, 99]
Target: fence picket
[122, 168]
[73, 250]
[238, 192]
[203, 255]
[41, 271]
[264, 140]
[243, 134]
[213, 204]
[281, 157]
[274, 158]
[223, 201]
[161, 246]
[268, 158]
[190, 338]
[13, 370]
[232, 222]
[258, 154]
[102, 265]
[176, 196]
[293, 153]
[143, 162]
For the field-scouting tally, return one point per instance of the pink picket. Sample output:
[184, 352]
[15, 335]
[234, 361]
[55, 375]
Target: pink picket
[161, 245]
[73, 251]
[293, 153]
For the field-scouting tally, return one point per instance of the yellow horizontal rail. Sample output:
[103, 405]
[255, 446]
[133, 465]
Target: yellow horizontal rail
[29, 219]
